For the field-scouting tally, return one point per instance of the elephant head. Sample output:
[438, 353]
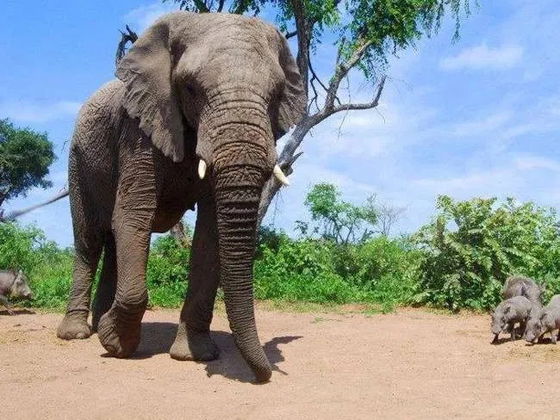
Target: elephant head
[233, 81]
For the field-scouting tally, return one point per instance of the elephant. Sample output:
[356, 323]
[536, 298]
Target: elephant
[191, 119]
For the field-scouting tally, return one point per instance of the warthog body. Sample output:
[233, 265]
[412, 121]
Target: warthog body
[508, 313]
[543, 321]
[522, 286]
[13, 283]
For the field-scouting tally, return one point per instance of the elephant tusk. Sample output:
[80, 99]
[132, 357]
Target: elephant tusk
[201, 169]
[280, 175]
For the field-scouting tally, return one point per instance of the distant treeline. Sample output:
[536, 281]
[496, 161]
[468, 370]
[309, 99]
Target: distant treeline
[345, 255]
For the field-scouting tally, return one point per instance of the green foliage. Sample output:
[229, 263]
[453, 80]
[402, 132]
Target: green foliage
[299, 270]
[25, 157]
[471, 247]
[391, 26]
[47, 267]
[339, 221]
[388, 26]
[167, 270]
[315, 270]
[459, 260]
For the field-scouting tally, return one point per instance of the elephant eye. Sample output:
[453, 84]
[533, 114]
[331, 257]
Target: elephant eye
[190, 89]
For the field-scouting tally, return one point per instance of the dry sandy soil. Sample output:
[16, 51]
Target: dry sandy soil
[409, 364]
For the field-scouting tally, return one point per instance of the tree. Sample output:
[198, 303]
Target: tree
[344, 222]
[25, 157]
[367, 32]
[387, 216]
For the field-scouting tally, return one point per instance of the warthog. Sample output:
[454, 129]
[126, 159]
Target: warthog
[522, 286]
[13, 283]
[545, 320]
[508, 313]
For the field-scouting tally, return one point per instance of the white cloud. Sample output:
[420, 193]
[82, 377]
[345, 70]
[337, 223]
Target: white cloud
[38, 112]
[537, 162]
[483, 57]
[143, 16]
[484, 125]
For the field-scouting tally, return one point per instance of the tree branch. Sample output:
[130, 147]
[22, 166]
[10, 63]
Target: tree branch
[17, 213]
[367, 105]
[126, 37]
[303, 29]
[201, 6]
[289, 35]
[341, 71]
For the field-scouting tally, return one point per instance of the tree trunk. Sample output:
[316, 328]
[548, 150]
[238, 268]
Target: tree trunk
[286, 160]
[178, 232]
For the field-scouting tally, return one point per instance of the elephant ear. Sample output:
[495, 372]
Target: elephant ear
[146, 71]
[293, 100]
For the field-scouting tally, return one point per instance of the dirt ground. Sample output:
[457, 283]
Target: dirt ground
[408, 364]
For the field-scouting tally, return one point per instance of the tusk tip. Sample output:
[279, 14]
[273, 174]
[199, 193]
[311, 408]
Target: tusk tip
[277, 171]
[202, 169]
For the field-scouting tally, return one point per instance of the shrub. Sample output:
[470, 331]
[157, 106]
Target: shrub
[47, 267]
[471, 247]
[379, 270]
[168, 266]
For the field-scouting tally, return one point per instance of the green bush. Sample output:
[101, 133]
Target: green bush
[167, 272]
[471, 247]
[387, 268]
[379, 270]
[459, 260]
[47, 267]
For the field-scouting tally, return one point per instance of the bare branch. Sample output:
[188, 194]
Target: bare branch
[341, 71]
[289, 35]
[317, 77]
[304, 28]
[126, 37]
[313, 100]
[367, 105]
[17, 213]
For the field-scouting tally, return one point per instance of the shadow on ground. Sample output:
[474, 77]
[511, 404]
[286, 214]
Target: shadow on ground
[231, 364]
[157, 338]
[17, 312]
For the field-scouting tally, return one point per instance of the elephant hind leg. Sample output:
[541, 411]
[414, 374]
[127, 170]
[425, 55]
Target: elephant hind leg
[107, 287]
[74, 324]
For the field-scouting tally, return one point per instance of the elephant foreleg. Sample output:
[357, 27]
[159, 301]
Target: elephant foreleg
[119, 328]
[193, 341]
[105, 294]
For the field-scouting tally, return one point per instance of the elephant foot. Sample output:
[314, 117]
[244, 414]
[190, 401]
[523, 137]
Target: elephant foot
[119, 331]
[74, 326]
[99, 309]
[190, 345]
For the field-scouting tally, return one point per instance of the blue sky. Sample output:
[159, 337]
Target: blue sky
[478, 117]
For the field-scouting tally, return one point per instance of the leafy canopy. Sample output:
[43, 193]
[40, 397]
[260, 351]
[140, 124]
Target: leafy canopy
[383, 27]
[25, 157]
[338, 220]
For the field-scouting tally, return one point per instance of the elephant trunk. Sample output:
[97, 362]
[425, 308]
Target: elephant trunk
[242, 161]
[237, 220]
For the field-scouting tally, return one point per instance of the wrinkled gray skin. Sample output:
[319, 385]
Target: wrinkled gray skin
[508, 313]
[543, 321]
[217, 87]
[13, 283]
[522, 286]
